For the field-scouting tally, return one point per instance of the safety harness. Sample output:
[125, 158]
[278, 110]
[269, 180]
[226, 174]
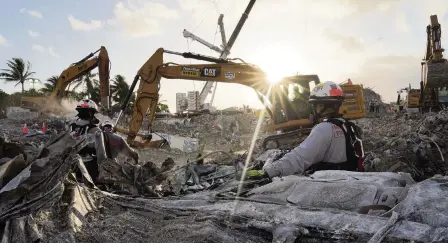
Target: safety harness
[353, 147]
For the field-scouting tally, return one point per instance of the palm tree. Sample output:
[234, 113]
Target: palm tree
[50, 84]
[93, 90]
[87, 79]
[119, 89]
[19, 71]
[92, 87]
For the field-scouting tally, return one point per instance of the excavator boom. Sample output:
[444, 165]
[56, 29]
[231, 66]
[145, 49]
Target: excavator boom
[75, 71]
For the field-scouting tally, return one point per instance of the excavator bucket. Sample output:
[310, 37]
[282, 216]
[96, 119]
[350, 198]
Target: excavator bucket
[435, 74]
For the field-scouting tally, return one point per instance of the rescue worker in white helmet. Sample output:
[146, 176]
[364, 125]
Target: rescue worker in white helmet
[107, 126]
[333, 144]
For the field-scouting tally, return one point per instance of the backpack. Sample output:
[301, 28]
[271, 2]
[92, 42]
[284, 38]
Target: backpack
[353, 144]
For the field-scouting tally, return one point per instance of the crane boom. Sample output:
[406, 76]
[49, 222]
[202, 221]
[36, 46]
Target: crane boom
[226, 46]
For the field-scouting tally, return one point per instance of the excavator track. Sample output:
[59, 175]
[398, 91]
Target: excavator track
[437, 75]
[286, 140]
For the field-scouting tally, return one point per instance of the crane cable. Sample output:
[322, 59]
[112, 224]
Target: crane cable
[214, 3]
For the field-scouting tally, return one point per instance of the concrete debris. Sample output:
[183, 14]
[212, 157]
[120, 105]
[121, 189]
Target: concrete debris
[173, 196]
[215, 132]
[411, 143]
[18, 113]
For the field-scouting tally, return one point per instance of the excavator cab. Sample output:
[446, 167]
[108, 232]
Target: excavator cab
[290, 109]
[288, 102]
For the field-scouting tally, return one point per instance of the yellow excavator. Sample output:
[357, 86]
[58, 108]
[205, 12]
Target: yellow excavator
[434, 78]
[291, 115]
[412, 98]
[74, 71]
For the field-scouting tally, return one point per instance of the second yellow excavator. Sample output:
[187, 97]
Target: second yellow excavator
[434, 83]
[289, 114]
[74, 71]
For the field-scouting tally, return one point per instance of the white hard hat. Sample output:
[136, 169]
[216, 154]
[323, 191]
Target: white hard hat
[107, 123]
[326, 92]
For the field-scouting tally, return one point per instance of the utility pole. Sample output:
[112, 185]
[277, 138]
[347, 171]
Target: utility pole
[34, 80]
[225, 46]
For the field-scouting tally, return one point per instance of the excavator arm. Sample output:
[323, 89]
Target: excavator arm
[82, 67]
[154, 69]
[434, 50]
[70, 74]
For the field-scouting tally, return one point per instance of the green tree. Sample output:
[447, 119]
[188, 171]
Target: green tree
[4, 100]
[119, 89]
[50, 84]
[162, 107]
[92, 86]
[32, 92]
[18, 71]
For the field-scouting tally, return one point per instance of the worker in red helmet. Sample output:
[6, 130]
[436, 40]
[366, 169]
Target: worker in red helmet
[103, 146]
[333, 144]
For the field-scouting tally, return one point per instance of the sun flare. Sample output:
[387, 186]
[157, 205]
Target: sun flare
[277, 63]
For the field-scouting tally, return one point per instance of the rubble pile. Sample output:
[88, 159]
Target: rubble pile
[370, 94]
[202, 125]
[411, 143]
[215, 132]
[200, 198]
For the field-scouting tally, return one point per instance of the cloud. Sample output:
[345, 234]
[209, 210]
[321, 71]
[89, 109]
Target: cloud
[38, 48]
[49, 50]
[346, 42]
[3, 41]
[369, 5]
[142, 19]
[387, 74]
[401, 23]
[33, 34]
[77, 24]
[53, 52]
[33, 13]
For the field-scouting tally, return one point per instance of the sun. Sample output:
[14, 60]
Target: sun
[276, 63]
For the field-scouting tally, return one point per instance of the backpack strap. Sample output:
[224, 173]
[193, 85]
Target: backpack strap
[107, 145]
[353, 144]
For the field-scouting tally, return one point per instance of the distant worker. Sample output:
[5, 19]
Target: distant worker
[333, 144]
[372, 106]
[377, 107]
[116, 144]
[107, 126]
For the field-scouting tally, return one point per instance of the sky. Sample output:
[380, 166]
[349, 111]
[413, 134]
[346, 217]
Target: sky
[377, 43]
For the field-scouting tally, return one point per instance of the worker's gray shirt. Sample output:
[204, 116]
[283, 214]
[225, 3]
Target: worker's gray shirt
[326, 143]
